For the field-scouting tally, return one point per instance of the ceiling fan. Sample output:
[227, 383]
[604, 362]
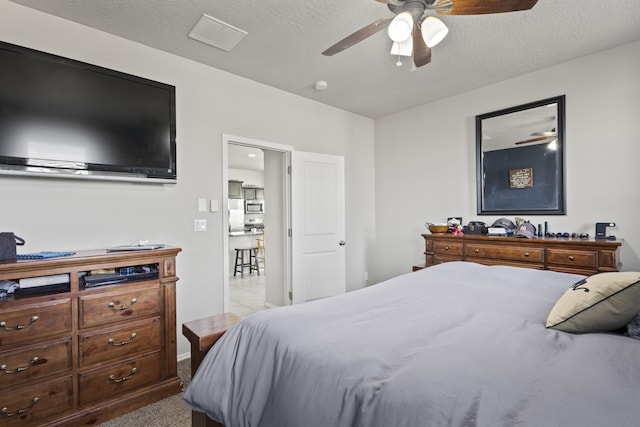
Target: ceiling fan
[414, 34]
[540, 136]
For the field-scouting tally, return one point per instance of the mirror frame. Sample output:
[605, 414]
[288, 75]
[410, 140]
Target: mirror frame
[555, 191]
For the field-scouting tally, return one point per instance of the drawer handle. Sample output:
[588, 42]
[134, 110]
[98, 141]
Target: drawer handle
[526, 254]
[4, 326]
[477, 251]
[121, 343]
[113, 378]
[446, 248]
[33, 362]
[112, 305]
[6, 413]
[571, 258]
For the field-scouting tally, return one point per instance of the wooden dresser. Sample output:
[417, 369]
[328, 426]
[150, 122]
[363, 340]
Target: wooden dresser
[580, 256]
[83, 355]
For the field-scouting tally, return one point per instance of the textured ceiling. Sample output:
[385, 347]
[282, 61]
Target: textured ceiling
[285, 39]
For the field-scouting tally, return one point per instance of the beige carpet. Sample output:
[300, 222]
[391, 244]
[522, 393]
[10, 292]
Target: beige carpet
[165, 413]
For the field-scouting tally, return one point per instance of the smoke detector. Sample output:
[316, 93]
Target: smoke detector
[321, 85]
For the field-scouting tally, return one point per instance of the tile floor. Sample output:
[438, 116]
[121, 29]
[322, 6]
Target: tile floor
[246, 295]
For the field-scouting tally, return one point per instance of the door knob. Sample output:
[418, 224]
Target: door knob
[342, 243]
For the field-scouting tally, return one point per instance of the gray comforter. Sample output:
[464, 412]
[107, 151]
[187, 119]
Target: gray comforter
[457, 344]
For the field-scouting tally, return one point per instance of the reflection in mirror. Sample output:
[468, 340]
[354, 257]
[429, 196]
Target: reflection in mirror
[519, 153]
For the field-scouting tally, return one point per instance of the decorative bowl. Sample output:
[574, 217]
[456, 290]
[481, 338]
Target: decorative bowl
[437, 228]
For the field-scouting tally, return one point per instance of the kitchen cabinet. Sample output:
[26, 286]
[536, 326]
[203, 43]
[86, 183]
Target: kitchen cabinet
[235, 189]
[253, 193]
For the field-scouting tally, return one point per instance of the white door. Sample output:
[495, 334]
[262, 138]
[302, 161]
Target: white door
[318, 226]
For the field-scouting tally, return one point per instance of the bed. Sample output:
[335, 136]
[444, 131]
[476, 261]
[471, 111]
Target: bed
[458, 344]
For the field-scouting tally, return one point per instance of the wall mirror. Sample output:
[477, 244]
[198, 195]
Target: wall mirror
[520, 159]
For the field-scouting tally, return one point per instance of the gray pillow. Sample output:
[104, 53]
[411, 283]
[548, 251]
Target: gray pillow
[633, 327]
[599, 303]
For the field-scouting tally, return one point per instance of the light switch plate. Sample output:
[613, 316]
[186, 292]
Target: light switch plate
[202, 205]
[214, 206]
[200, 225]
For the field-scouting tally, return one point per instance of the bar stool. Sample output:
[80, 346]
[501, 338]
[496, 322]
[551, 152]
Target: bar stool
[252, 261]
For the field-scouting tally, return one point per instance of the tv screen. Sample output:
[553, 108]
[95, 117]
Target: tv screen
[62, 117]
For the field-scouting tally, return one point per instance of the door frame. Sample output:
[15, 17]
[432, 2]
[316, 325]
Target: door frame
[266, 145]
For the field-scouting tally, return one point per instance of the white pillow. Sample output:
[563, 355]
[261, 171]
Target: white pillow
[600, 303]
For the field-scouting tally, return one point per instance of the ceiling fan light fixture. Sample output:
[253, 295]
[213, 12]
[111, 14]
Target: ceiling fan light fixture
[433, 30]
[404, 48]
[400, 27]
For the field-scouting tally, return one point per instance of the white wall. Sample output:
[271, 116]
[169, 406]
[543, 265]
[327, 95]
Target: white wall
[75, 215]
[425, 157]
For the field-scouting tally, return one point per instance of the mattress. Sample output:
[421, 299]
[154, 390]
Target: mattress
[458, 344]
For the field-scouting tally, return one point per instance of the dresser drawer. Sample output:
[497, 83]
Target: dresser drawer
[113, 344]
[504, 262]
[26, 323]
[25, 405]
[111, 381]
[35, 361]
[607, 260]
[448, 249]
[125, 305]
[511, 253]
[573, 258]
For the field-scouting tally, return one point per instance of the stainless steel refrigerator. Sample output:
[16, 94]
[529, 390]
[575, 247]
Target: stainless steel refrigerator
[236, 215]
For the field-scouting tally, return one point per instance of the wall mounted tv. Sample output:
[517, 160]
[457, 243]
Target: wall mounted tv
[65, 118]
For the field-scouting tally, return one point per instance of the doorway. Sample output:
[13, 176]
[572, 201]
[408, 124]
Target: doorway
[274, 258]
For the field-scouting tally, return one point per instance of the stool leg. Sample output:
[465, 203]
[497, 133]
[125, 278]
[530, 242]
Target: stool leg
[255, 258]
[242, 264]
[252, 257]
[235, 267]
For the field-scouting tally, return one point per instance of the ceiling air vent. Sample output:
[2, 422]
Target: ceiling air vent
[216, 33]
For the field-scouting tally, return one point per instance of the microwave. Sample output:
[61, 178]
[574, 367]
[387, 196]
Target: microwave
[253, 206]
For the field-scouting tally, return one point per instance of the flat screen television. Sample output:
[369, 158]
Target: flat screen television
[65, 118]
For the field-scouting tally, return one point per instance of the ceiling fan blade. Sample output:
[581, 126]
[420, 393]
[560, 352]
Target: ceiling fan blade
[421, 52]
[358, 36]
[530, 140]
[478, 7]
[545, 134]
